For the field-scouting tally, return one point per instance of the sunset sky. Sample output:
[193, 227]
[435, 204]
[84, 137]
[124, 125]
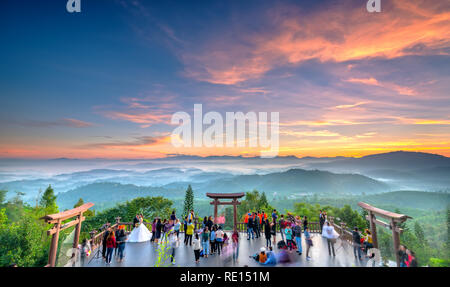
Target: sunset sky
[105, 82]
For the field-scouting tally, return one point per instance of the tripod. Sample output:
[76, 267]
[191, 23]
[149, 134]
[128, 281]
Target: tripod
[98, 253]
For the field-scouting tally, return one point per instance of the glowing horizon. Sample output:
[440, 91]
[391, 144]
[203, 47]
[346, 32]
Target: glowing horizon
[105, 83]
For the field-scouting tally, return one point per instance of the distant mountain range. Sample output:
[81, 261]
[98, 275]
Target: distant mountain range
[290, 174]
[283, 183]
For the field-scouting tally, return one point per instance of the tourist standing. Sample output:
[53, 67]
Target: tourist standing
[288, 233]
[263, 217]
[321, 220]
[173, 217]
[85, 251]
[297, 232]
[205, 222]
[250, 227]
[105, 236]
[153, 230]
[274, 215]
[235, 245]
[185, 225]
[159, 229]
[274, 220]
[267, 233]
[210, 223]
[212, 238]
[356, 243]
[411, 262]
[368, 241]
[273, 231]
[173, 241]
[205, 241]
[163, 230]
[308, 242]
[197, 247]
[191, 216]
[189, 233]
[330, 234]
[403, 255]
[110, 245]
[121, 239]
[176, 228]
[256, 224]
[282, 223]
[305, 222]
[219, 239]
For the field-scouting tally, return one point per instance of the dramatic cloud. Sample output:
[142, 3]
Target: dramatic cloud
[338, 33]
[143, 141]
[67, 122]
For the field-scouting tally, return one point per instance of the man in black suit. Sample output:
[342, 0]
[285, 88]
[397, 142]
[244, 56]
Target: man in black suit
[135, 220]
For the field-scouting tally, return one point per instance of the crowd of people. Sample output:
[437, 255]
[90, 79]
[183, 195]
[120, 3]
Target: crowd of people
[208, 238]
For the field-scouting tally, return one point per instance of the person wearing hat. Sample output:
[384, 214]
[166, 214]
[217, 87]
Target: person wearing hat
[262, 255]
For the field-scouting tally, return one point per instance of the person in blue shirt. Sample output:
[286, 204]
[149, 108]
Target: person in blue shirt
[308, 241]
[271, 258]
[212, 239]
[288, 233]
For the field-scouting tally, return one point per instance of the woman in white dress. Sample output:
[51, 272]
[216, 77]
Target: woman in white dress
[331, 235]
[140, 233]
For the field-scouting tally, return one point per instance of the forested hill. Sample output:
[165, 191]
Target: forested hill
[283, 183]
[412, 199]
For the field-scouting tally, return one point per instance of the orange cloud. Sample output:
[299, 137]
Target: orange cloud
[370, 81]
[145, 119]
[413, 121]
[374, 82]
[348, 33]
[350, 106]
[145, 141]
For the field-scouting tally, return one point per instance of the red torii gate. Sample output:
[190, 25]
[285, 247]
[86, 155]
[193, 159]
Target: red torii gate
[57, 220]
[393, 220]
[234, 202]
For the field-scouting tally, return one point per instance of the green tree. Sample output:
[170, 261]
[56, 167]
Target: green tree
[3, 218]
[88, 212]
[263, 203]
[2, 196]
[254, 201]
[420, 235]
[23, 243]
[48, 200]
[188, 200]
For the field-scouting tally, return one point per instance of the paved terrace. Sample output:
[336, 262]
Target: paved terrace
[144, 255]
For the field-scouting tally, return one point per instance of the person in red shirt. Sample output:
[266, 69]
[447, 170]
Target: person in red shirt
[110, 245]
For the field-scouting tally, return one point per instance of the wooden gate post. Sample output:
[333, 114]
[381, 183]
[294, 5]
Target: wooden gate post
[56, 220]
[234, 215]
[396, 239]
[76, 238]
[373, 229]
[215, 210]
[54, 245]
